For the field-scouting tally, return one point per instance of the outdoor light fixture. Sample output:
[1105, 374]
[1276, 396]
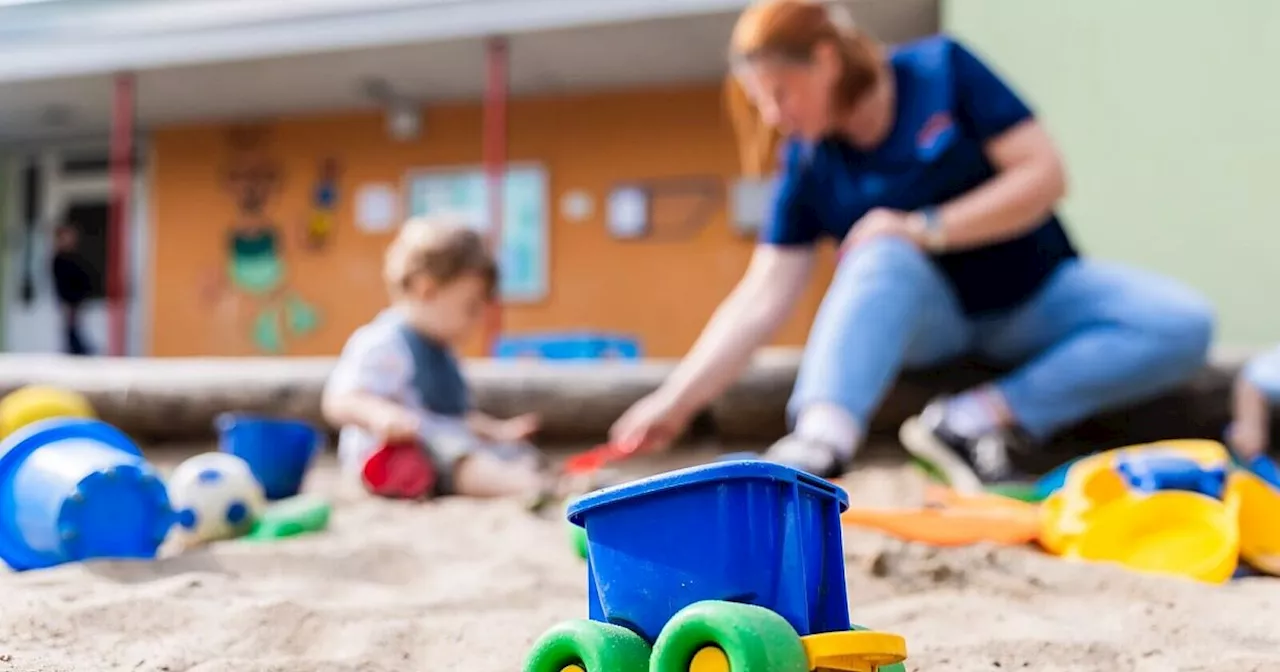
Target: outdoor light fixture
[403, 118]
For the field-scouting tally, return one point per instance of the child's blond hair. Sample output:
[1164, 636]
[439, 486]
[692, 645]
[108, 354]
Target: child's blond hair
[442, 248]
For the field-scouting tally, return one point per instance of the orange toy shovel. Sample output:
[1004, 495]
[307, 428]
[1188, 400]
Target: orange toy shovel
[953, 519]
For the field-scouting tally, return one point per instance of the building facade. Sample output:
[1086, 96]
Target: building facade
[280, 143]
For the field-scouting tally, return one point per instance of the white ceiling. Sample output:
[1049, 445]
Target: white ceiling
[613, 56]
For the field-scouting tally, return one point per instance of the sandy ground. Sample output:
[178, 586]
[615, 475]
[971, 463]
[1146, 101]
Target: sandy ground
[463, 585]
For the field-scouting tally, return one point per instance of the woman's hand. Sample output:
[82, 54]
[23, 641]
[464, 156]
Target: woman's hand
[651, 424]
[880, 222]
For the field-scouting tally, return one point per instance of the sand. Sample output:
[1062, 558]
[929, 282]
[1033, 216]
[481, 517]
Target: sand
[464, 585]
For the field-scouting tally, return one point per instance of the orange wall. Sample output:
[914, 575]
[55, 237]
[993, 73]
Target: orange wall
[661, 291]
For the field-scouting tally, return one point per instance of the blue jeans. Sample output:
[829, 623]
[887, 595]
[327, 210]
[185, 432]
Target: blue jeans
[1263, 372]
[1096, 336]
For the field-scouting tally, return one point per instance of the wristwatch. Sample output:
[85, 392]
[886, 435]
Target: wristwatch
[934, 237]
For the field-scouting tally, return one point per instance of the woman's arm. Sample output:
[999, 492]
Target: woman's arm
[745, 320]
[1029, 181]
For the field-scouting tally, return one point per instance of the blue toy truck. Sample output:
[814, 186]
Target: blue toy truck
[729, 567]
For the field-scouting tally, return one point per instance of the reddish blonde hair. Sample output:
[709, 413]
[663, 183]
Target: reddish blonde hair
[788, 31]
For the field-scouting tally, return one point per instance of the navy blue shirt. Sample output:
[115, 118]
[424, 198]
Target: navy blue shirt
[949, 104]
[437, 375]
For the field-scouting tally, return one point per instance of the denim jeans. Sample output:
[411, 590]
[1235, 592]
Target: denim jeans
[1095, 336]
[1263, 371]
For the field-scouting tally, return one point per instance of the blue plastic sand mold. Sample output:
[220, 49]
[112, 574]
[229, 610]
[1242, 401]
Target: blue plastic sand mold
[75, 489]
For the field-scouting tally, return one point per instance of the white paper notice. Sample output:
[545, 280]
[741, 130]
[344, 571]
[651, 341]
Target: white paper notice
[376, 208]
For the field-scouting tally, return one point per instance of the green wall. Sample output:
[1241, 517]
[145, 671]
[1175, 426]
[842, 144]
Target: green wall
[1168, 114]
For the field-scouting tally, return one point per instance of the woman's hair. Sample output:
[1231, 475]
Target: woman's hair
[787, 31]
[442, 248]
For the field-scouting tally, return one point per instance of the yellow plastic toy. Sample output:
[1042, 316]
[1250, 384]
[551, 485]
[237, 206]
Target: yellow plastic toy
[1259, 510]
[1098, 516]
[1178, 533]
[34, 403]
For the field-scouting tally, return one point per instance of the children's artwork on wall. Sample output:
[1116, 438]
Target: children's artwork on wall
[674, 209]
[377, 208]
[320, 225]
[255, 260]
[628, 216]
[464, 192]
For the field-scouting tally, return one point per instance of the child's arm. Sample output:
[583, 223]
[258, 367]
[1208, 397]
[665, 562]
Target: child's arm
[373, 371]
[381, 417]
[1256, 389]
[492, 429]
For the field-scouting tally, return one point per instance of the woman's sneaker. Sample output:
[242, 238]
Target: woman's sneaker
[968, 464]
[808, 455]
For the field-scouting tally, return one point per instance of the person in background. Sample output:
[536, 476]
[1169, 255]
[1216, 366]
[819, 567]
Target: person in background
[1257, 391]
[940, 187]
[73, 284]
[398, 379]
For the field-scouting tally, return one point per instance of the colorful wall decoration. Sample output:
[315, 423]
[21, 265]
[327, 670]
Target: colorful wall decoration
[255, 263]
[320, 225]
[565, 271]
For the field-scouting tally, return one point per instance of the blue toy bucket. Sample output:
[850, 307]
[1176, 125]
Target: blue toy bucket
[746, 531]
[279, 452]
[74, 489]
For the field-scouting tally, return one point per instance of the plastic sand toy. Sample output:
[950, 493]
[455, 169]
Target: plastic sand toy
[75, 489]
[743, 573]
[33, 403]
[301, 514]
[1259, 522]
[950, 518]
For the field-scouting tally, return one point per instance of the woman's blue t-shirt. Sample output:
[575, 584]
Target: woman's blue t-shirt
[949, 104]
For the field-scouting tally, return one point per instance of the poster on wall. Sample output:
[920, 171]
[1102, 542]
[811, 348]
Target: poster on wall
[377, 207]
[464, 193]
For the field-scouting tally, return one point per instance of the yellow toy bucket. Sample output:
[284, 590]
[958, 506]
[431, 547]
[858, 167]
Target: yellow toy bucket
[39, 402]
[1171, 532]
[1259, 531]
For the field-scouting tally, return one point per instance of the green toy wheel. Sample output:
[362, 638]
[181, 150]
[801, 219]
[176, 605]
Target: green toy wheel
[895, 667]
[588, 646]
[728, 637]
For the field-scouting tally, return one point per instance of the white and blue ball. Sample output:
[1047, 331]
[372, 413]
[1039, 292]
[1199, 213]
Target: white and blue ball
[216, 497]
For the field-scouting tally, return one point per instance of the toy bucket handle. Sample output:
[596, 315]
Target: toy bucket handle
[225, 422]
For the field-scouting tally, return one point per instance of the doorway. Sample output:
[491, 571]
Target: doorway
[53, 188]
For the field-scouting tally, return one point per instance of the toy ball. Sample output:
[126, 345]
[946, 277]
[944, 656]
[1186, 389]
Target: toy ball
[33, 403]
[216, 497]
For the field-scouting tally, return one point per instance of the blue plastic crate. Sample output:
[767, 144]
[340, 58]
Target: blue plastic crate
[746, 531]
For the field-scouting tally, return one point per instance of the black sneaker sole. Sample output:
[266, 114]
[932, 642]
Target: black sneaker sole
[924, 446]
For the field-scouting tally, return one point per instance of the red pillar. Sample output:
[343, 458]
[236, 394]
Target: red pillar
[118, 241]
[495, 162]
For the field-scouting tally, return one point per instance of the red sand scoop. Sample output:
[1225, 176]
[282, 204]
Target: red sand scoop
[595, 459]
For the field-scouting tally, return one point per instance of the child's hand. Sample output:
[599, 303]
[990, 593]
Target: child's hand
[518, 428]
[396, 424]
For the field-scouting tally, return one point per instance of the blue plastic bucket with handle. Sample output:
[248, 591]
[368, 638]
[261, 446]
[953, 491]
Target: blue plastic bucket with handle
[77, 489]
[279, 452]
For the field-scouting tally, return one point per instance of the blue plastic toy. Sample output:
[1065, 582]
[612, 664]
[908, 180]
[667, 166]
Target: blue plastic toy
[1155, 471]
[731, 566]
[279, 452]
[76, 489]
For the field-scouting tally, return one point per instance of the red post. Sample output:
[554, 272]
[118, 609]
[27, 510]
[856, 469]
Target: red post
[495, 161]
[122, 142]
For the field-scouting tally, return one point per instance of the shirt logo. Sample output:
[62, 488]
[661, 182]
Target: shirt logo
[933, 128]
